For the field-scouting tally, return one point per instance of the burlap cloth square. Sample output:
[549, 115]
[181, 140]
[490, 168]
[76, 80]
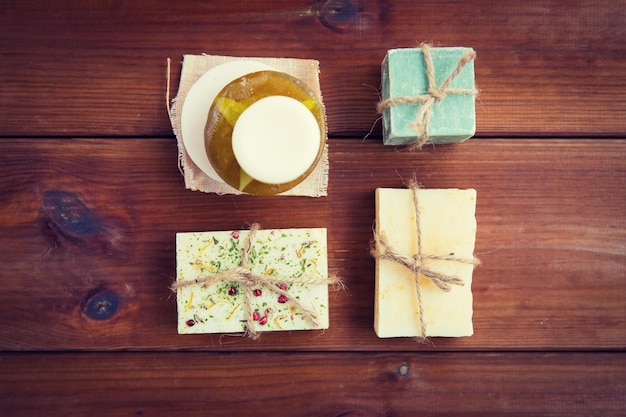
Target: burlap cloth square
[193, 67]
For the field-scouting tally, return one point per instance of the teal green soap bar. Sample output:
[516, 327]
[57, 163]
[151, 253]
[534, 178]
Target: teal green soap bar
[452, 119]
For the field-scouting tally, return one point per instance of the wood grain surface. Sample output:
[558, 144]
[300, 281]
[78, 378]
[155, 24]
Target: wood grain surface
[91, 199]
[96, 219]
[544, 68]
[298, 385]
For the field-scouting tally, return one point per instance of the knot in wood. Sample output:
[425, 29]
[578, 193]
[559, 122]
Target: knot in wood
[101, 304]
[336, 15]
[403, 370]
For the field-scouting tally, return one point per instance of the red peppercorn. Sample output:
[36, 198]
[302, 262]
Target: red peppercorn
[282, 299]
[257, 292]
[235, 234]
[232, 290]
[190, 322]
[263, 320]
[256, 316]
[282, 287]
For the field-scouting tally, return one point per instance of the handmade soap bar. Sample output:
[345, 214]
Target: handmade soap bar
[449, 117]
[265, 132]
[276, 140]
[297, 254]
[447, 228]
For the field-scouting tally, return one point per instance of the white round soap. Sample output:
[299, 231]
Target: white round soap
[276, 139]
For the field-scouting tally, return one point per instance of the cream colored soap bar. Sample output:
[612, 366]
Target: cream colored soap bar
[448, 227]
[274, 253]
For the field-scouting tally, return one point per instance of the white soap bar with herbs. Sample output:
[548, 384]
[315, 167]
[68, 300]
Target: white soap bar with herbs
[448, 227]
[276, 253]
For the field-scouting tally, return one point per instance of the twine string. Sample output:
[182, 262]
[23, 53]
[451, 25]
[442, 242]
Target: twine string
[170, 111]
[383, 250]
[243, 275]
[434, 94]
[167, 88]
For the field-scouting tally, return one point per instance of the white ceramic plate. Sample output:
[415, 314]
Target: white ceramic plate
[198, 103]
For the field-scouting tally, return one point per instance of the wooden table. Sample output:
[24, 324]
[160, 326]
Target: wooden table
[91, 199]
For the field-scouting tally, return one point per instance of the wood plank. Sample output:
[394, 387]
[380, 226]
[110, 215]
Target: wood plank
[90, 223]
[74, 68]
[331, 384]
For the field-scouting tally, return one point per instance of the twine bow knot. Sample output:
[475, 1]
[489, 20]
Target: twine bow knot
[434, 94]
[243, 275]
[382, 250]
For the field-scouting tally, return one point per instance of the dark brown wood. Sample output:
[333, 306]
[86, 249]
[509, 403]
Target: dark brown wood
[90, 224]
[98, 69]
[313, 384]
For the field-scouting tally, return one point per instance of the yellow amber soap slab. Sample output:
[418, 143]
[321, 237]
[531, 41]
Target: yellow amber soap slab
[272, 155]
[275, 253]
[447, 225]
